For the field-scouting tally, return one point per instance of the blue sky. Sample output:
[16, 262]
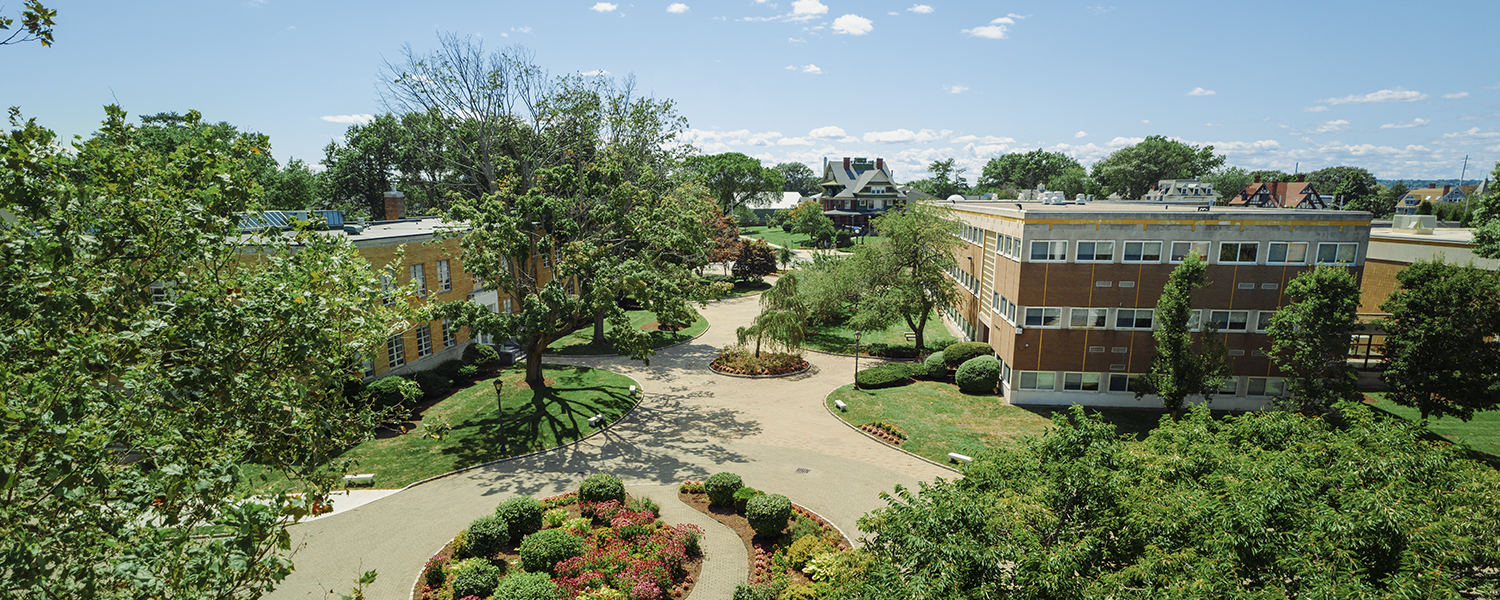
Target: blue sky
[1404, 89]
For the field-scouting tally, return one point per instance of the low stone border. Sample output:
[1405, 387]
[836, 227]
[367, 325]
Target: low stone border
[882, 442]
[689, 340]
[803, 370]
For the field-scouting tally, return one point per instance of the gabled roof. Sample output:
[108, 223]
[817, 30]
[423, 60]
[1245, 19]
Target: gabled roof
[853, 180]
[1421, 194]
[1294, 194]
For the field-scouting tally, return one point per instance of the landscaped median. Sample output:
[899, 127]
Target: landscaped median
[836, 338]
[937, 418]
[580, 341]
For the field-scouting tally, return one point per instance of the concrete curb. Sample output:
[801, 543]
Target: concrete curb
[882, 442]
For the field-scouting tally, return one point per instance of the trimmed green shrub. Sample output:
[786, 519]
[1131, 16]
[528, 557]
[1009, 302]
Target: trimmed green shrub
[721, 488]
[555, 517]
[803, 527]
[900, 351]
[474, 577]
[884, 376]
[743, 495]
[482, 356]
[600, 487]
[978, 375]
[962, 352]
[394, 391]
[939, 345]
[449, 368]
[934, 368]
[645, 504]
[433, 574]
[786, 227]
[468, 372]
[541, 551]
[803, 591]
[486, 537]
[522, 516]
[768, 514]
[433, 385]
[527, 586]
[843, 240]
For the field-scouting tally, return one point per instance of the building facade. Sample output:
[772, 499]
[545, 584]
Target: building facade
[1432, 193]
[1065, 293]
[857, 190]
[1280, 194]
[1409, 240]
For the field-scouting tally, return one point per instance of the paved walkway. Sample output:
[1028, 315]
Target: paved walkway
[775, 433]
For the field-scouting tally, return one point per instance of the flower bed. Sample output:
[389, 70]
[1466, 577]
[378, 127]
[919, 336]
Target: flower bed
[736, 361]
[781, 560]
[887, 432]
[606, 550]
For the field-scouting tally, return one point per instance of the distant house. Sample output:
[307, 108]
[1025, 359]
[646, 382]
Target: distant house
[857, 189]
[1414, 198]
[1182, 190]
[1280, 194]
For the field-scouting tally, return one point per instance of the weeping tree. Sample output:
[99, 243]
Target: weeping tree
[782, 320]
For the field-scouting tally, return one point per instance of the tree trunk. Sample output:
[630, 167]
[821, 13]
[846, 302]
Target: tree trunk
[534, 376]
[599, 328]
[917, 330]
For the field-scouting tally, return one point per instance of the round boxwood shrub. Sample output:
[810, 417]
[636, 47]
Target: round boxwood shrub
[743, 495]
[600, 487]
[934, 367]
[721, 488]
[486, 537]
[394, 391]
[474, 577]
[522, 516]
[433, 385]
[978, 375]
[963, 352]
[541, 551]
[527, 586]
[768, 514]
[884, 376]
[482, 356]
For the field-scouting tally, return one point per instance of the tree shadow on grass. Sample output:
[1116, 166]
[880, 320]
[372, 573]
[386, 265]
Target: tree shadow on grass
[552, 416]
[1428, 435]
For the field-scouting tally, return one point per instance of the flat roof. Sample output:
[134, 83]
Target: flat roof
[385, 230]
[1451, 235]
[1150, 210]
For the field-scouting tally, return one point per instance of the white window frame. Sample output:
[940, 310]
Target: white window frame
[1338, 247]
[510, 306]
[1125, 252]
[1135, 318]
[395, 351]
[1082, 380]
[1267, 385]
[450, 336]
[424, 340]
[1287, 252]
[1195, 320]
[1263, 320]
[1036, 380]
[1044, 312]
[1239, 251]
[369, 368]
[1127, 378]
[1090, 316]
[1233, 383]
[419, 276]
[1052, 253]
[1213, 317]
[1174, 258]
[445, 276]
[1094, 253]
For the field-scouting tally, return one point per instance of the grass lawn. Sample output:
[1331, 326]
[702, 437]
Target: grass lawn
[579, 342]
[838, 338]
[557, 415]
[778, 237]
[1481, 434]
[741, 288]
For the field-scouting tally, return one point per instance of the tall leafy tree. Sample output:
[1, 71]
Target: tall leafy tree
[145, 355]
[1024, 170]
[808, 219]
[1485, 215]
[944, 179]
[1134, 170]
[361, 170]
[1344, 182]
[735, 179]
[1183, 368]
[1442, 345]
[1311, 338]
[797, 177]
[293, 187]
[782, 319]
[36, 25]
[905, 278]
[1228, 181]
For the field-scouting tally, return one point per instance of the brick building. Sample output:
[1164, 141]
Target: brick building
[1065, 293]
[1408, 240]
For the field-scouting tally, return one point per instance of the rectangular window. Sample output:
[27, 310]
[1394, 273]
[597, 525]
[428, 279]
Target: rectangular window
[1120, 382]
[1049, 251]
[424, 340]
[387, 289]
[1038, 380]
[450, 337]
[1006, 250]
[1230, 320]
[1195, 320]
[445, 276]
[1230, 387]
[1010, 311]
[1238, 253]
[1266, 386]
[1043, 317]
[995, 301]
[162, 293]
[395, 351]
[1180, 250]
[1133, 318]
[419, 277]
[1089, 318]
[510, 306]
[1263, 320]
[1286, 253]
[1147, 252]
[1096, 252]
[369, 366]
[1337, 253]
[1081, 382]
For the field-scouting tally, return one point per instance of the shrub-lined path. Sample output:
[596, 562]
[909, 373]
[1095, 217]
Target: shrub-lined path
[692, 423]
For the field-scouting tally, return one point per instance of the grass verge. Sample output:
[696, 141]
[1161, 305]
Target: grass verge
[840, 339]
[1481, 435]
[580, 341]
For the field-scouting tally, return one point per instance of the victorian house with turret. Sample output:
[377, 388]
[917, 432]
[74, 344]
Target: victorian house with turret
[858, 189]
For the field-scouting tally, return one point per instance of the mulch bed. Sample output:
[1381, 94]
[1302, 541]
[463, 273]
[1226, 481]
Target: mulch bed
[788, 370]
[756, 546]
[655, 326]
[511, 558]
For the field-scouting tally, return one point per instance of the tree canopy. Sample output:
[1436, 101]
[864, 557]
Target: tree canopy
[1486, 218]
[1024, 170]
[1443, 339]
[1183, 368]
[905, 278]
[1311, 338]
[800, 178]
[1134, 170]
[735, 180]
[36, 25]
[944, 179]
[1228, 181]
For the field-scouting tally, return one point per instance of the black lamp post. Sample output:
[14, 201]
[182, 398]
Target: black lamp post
[856, 360]
[500, 411]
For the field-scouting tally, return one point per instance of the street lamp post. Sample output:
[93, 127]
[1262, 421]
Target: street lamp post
[856, 360]
[500, 411]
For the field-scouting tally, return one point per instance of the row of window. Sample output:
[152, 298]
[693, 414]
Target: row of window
[1003, 307]
[418, 274]
[1009, 247]
[1045, 317]
[963, 277]
[972, 235]
[395, 346]
[1050, 381]
[1230, 253]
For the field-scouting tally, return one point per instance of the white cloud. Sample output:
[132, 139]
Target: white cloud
[1315, 109]
[829, 132]
[521, 29]
[988, 139]
[604, 7]
[956, 89]
[1146, 121]
[1455, 96]
[1406, 125]
[1472, 136]
[1003, 21]
[1397, 94]
[985, 150]
[1198, 91]
[905, 136]
[1081, 134]
[594, 72]
[1491, 87]
[677, 8]
[1100, 9]
[852, 25]
[1331, 126]
[921, 9]
[796, 41]
[291, 27]
[992, 32]
[812, 69]
[1244, 147]
[350, 119]
[1125, 141]
[794, 141]
[807, 9]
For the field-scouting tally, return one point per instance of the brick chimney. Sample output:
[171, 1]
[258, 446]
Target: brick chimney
[880, 164]
[1257, 179]
[846, 163]
[1432, 186]
[1446, 188]
[1301, 178]
[395, 205]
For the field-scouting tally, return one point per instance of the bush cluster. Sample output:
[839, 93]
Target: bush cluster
[486, 537]
[884, 376]
[522, 516]
[978, 375]
[600, 487]
[940, 344]
[432, 384]
[768, 514]
[527, 586]
[474, 577]
[743, 495]
[433, 574]
[541, 551]
[390, 392]
[935, 368]
[449, 368]
[721, 488]
[963, 352]
[482, 356]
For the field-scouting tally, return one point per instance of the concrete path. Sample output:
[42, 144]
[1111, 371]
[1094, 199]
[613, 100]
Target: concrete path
[775, 433]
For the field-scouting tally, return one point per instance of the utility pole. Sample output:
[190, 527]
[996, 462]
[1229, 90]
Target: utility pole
[1461, 174]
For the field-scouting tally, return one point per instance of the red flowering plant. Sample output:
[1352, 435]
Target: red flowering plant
[643, 565]
[602, 511]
